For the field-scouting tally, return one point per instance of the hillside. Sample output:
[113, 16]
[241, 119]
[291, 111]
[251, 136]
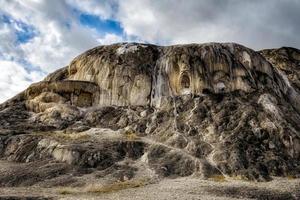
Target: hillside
[137, 113]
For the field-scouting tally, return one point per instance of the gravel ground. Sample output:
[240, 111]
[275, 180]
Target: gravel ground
[187, 188]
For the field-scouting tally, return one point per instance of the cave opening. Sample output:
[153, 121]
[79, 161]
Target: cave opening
[185, 81]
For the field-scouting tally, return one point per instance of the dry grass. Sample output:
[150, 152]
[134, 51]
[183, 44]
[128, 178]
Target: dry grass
[59, 135]
[238, 177]
[218, 178]
[130, 135]
[291, 177]
[70, 136]
[115, 186]
[101, 189]
[65, 191]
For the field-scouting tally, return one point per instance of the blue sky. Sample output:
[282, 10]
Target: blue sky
[101, 25]
[23, 33]
[40, 36]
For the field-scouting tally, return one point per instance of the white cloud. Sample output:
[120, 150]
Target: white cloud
[102, 8]
[257, 24]
[14, 78]
[110, 39]
[8, 48]
[56, 47]
[60, 37]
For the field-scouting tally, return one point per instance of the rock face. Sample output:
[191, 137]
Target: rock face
[138, 74]
[287, 60]
[199, 109]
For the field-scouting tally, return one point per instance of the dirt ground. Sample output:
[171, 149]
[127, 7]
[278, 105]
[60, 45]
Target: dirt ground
[188, 188]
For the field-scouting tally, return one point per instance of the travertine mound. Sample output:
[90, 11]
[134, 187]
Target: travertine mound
[287, 60]
[140, 74]
[137, 110]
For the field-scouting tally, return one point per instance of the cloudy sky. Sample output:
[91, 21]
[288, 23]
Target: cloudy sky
[39, 36]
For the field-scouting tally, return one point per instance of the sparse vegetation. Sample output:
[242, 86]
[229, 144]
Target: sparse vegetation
[70, 136]
[60, 135]
[239, 177]
[65, 191]
[218, 178]
[100, 189]
[291, 177]
[115, 186]
[130, 135]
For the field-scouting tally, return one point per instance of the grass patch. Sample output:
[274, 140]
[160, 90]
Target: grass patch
[60, 135]
[70, 136]
[239, 178]
[291, 177]
[65, 191]
[130, 135]
[217, 178]
[115, 186]
[101, 189]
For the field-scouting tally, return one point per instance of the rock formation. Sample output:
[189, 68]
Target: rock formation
[199, 109]
[138, 74]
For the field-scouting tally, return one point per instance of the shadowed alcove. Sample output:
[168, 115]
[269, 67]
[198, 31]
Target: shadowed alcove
[185, 81]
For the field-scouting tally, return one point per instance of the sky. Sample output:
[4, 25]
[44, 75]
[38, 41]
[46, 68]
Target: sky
[40, 36]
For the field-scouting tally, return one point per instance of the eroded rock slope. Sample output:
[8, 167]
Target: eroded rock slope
[138, 110]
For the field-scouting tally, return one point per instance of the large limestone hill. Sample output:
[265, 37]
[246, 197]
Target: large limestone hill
[143, 112]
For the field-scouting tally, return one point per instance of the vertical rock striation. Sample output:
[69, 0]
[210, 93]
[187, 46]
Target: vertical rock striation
[140, 74]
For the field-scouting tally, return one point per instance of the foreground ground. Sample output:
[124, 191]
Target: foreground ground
[179, 188]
